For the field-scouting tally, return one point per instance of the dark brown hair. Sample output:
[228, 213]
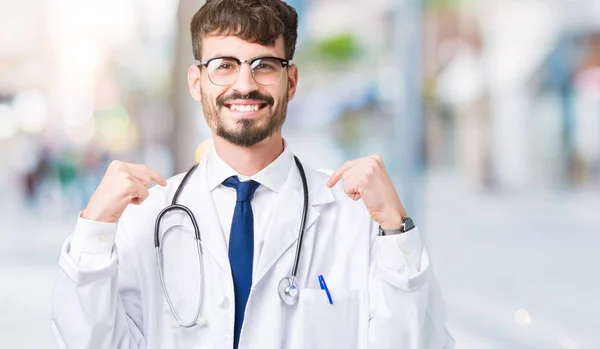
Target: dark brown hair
[256, 21]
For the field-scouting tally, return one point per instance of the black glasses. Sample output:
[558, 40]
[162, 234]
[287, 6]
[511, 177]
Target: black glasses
[224, 71]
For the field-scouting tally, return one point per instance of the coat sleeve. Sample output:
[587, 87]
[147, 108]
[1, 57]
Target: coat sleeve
[96, 300]
[406, 305]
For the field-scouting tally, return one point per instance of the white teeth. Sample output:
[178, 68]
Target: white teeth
[244, 108]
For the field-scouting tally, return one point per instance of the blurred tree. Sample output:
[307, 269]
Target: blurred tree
[342, 47]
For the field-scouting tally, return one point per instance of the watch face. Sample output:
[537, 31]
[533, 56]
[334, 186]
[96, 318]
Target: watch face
[408, 224]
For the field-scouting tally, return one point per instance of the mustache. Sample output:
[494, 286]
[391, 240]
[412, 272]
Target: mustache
[254, 95]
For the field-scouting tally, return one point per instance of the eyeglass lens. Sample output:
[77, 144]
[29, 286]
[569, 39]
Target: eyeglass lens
[224, 71]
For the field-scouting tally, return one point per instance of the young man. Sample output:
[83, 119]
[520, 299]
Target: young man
[362, 277]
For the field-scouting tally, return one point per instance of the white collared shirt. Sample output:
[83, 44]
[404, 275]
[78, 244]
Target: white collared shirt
[271, 179]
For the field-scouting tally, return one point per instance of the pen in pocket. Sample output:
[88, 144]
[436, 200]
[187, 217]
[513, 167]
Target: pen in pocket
[324, 287]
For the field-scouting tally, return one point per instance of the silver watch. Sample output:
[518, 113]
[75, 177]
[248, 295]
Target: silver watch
[407, 225]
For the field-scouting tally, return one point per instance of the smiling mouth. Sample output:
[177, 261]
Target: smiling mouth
[245, 108]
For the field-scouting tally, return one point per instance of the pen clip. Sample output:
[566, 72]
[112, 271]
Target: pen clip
[324, 287]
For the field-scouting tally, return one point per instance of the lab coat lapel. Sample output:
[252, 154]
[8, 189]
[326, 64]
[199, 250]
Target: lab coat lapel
[198, 198]
[285, 224]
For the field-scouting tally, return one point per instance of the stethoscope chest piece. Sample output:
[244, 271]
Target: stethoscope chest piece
[288, 292]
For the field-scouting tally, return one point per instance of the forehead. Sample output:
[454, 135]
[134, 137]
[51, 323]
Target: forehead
[233, 46]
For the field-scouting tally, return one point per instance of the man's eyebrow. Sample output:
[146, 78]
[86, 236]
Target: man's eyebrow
[221, 55]
[270, 54]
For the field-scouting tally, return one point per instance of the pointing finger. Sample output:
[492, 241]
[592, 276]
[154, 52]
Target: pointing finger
[335, 177]
[158, 179]
[153, 175]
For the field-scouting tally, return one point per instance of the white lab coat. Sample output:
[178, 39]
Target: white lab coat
[380, 298]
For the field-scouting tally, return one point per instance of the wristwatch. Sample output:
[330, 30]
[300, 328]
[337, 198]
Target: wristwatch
[407, 225]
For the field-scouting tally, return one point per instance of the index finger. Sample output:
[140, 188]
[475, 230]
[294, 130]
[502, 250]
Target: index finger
[335, 177]
[153, 175]
[157, 178]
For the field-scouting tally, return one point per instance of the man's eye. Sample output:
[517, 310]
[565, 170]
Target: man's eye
[264, 66]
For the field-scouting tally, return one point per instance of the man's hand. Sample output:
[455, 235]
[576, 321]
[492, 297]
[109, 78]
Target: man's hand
[123, 184]
[367, 178]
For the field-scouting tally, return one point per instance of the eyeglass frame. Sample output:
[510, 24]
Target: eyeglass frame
[284, 64]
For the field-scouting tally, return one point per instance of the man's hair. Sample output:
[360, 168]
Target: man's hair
[256, 21]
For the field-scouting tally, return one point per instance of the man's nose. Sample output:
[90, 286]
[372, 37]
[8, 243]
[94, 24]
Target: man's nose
[245, 82]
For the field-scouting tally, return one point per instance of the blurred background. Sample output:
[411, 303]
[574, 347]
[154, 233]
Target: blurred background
[487, 114]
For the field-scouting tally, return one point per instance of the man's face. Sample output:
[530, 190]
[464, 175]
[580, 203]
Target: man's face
[245, 112]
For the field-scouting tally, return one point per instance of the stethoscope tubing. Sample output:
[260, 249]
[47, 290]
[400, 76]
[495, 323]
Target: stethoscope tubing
[303, 222]
[175, 206]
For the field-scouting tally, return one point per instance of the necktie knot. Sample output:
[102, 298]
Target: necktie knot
[245, 190]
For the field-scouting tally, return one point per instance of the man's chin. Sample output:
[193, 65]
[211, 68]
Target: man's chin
[245, 140]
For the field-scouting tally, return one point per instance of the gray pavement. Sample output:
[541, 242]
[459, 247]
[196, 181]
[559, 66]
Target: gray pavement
[518, 270]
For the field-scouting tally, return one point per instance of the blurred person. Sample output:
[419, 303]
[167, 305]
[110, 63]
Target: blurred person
[32, 179]
[586, 100]
[285, 256]
[462, 94]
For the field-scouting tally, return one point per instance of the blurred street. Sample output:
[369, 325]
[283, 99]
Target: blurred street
[516, 269]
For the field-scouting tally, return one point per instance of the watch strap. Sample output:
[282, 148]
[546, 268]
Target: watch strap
[387, 232]
[407, 225]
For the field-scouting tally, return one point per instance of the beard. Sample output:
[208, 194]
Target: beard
[246, 132]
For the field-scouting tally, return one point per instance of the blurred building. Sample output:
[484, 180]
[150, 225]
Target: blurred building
[500, 92]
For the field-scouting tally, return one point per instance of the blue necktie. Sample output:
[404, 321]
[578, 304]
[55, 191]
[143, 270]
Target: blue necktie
[241, 248]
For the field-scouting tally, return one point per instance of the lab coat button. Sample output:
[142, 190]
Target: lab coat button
[202, 321]
[105, 238]
[223, 302]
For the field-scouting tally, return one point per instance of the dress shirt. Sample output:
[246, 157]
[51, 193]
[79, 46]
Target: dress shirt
[271, 179]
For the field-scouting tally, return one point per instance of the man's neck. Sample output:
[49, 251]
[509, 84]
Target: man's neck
[249, 161]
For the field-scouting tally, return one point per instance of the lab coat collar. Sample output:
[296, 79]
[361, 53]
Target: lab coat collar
[273, 176]
[283, 230]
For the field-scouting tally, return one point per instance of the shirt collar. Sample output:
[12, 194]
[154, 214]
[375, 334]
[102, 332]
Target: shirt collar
[273, 176]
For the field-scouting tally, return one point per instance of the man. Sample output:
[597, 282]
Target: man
[363, 278]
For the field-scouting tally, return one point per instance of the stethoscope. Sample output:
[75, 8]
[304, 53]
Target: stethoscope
[287, 289]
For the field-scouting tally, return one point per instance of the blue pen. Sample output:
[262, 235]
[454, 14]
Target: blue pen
[324, 287]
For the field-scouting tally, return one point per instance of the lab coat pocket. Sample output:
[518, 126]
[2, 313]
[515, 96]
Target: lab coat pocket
[342, 324]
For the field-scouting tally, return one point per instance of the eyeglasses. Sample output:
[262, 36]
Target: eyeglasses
[224, 71]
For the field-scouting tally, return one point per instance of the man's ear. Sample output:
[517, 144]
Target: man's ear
[194, 82]
[292, 81]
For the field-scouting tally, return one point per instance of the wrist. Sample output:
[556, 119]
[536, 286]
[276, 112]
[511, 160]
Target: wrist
[392, 221]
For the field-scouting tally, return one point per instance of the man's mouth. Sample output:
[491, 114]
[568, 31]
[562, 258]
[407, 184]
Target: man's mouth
[245, 106]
